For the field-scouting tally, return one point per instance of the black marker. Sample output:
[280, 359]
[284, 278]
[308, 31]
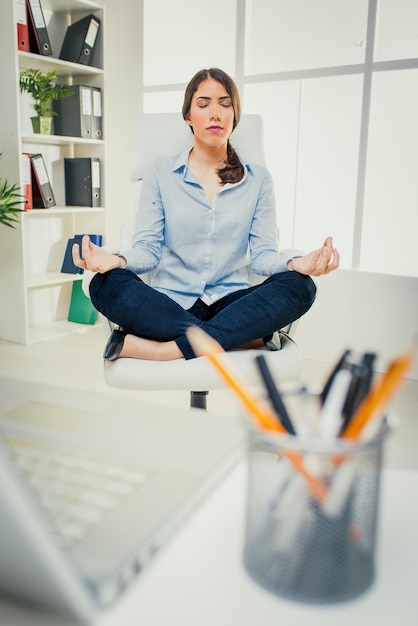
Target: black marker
[360, 386]
[274, 394]
[338, 366]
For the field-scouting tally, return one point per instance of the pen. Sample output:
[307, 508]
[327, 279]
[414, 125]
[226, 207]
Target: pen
[340, 363]
[274, 394]
[331, 415]
[359, 387]
[380, 394]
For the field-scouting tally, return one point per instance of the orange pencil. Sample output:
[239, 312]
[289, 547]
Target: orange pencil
[204, 345]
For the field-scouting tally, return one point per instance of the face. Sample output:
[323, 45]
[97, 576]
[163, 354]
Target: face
[211, 113]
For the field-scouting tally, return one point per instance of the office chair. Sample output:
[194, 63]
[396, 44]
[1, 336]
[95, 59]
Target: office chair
[157, 135]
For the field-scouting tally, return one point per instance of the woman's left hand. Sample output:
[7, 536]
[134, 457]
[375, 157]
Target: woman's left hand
[319, 262]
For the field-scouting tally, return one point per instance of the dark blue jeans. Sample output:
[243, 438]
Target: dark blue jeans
[247, 314]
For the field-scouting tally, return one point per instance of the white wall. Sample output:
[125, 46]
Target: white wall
[123, 101]
[361, 311]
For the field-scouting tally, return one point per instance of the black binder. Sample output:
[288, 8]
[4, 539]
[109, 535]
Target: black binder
[38, 35]
[82, 181]
[80, 40]
[42, 194]
[97, 116]
[68, 266]
[74, 113]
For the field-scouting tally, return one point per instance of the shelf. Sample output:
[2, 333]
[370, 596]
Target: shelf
[53, 330]
[67, 5]
[29, 60]
[60, 140]
[33, 298]
[65, 210]
[49, 279]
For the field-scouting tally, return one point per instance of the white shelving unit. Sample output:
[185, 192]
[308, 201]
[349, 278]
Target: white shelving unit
[35, 295]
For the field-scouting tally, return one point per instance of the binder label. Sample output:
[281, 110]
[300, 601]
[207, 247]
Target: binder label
[92, 33]
[37, 14]
[25, 169]
[20, 12]
[86, 100]
[95, 174]
[41, 171]
[97, 103]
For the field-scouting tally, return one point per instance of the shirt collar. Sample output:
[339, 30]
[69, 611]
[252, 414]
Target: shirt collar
[180, 162]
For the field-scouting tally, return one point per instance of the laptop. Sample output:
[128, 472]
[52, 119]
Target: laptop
[93, 485]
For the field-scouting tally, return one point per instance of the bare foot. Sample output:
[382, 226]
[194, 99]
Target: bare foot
[150, 350]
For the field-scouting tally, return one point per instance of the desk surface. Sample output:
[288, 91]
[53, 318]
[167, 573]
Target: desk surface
[198, 578]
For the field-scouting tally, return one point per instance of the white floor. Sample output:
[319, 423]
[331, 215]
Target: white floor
[75, 361]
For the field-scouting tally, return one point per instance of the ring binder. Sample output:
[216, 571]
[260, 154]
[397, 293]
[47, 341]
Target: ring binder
[80, 40]
[27, 180]
[42, 194]
[97, 116]
[81, 309]
[38, 33]
[74, 113]
[22, 25]
[82, 181]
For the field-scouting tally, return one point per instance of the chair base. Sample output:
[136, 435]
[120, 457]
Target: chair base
[198, 399]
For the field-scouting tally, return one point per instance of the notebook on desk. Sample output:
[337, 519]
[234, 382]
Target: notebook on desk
[92, 486]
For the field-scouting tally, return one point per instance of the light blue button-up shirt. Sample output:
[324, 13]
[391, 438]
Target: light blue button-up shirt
[195, 249]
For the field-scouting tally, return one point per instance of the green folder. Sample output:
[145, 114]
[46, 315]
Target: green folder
[81, 309]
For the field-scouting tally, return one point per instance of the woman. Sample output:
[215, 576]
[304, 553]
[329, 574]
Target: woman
[202, 214]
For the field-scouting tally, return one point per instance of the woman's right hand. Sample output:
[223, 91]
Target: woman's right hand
[95, 258]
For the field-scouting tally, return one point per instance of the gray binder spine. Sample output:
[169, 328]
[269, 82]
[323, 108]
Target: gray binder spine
[39, 42]
[97, 113]
[82, 181]
[43, 196]
[74, 113]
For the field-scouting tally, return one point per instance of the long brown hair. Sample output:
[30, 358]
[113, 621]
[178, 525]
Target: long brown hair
[233, 171]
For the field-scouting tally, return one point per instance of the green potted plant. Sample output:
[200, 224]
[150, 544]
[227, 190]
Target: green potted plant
[43, 90]
[10, 203]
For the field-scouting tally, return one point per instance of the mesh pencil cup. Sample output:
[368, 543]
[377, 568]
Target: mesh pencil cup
[312, 540]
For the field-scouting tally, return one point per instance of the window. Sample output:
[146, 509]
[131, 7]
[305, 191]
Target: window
[390, 215]
[285, 35]
[182, 37]
[396, 33]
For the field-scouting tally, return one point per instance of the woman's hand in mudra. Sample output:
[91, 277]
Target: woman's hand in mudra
[95, 258]
[318, 262]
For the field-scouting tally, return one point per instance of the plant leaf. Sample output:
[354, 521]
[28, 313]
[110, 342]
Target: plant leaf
[10, 203]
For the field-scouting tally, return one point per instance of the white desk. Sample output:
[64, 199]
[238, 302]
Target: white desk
[198, 578]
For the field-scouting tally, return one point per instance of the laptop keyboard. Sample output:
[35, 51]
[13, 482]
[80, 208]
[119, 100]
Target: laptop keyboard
[77, 489]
